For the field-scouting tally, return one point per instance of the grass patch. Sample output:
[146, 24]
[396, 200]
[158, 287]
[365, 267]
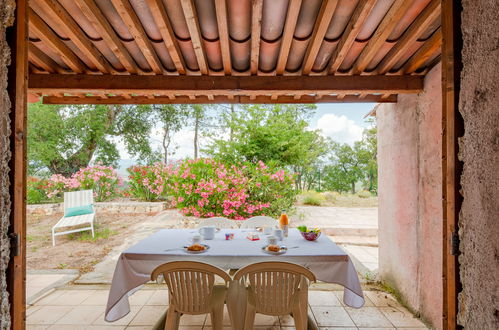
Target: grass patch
[86, 236]
[313, 198]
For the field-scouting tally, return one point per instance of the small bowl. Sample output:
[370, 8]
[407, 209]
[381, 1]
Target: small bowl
[310, 236]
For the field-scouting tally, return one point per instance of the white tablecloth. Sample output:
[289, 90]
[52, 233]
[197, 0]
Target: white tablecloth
[323, 257]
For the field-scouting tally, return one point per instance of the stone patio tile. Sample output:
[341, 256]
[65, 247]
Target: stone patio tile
[35, 327]
[368, 317]
[31, 309]
[339, 328]
[288, 321]
[81, 315]
[226, 319]
[193, 320]
[123, 321]
[98, 298]
[367, 301]
[140, 297]
[267, 320]
[323, 298]
[52, 296]
[148, 315]
[332, 316]
[159, 297]
[48, 315]
[376, 328]
[401, 317]
[84, 327]
[382, 299]
[66, 298]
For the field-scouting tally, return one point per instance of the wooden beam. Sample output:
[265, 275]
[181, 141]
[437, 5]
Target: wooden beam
[452, 130]
[256, 29]
[216, 99]
[135, 27]
[323, 20]
[420, 24]
[352, 29]
[45, 33]
[59, 14]
[391, 19]
[15, 148]
[221, 85]
[432, 45]
[289, 30]
[194, 30]
[223, 33]
[42, 60]
[165, 28]
[107, 33]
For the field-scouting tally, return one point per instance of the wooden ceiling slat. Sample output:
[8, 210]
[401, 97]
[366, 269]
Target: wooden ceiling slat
[51, 39]
[219, 85]
[223, 32]
[420, 24]
[165, 28]
[193, 25]
[391, 19]
[352, 29]
[428, 49]
[125, 10]
[77, 36]
[93, 13]
[43, 61]
[289, 30]
[323, 20]
[216, 99]
[256, 29]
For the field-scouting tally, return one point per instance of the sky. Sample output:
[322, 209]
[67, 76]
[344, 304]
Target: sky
[341, 121]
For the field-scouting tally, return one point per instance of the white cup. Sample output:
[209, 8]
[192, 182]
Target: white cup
[267, 230]
[272, 240]
[207, 232]
[278, 234]
[196, 239]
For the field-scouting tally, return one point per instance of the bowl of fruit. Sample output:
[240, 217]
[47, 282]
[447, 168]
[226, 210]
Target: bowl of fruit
[310, 234]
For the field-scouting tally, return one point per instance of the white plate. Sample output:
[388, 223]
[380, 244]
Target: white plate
[281, 251]
[207, 247]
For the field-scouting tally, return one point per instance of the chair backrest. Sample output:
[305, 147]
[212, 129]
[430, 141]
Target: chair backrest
[78, 198]
[190, 284]
[274, 285]
[219, 222]
[259, 221]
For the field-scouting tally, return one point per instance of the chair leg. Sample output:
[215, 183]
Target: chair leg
[172, 319]
[93, 234]
[217, 317]
[249, 319]
[300, 319]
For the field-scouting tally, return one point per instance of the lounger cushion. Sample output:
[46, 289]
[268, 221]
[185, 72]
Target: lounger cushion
[79, 210]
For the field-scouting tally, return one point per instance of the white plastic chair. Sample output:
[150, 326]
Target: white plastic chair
[259, 221]
[192, 291]
[276, 288]
[219, 222]
[73, 199]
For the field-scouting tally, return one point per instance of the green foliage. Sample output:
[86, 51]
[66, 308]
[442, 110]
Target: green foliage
[86, 236]
[36, 190]
[344, 169]
[277, 134]
[172, 118]
[330, 196]
[64, 139]
[313, 198]
[150, 182]
[364, 194]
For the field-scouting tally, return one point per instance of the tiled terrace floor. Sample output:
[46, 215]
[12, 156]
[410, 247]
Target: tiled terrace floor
[82, 307]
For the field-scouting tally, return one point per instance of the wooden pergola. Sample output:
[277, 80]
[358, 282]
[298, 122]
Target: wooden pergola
[230, 51]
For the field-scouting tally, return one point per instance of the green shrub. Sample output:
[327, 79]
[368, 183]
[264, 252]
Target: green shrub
[364, 194]
[330, 196]
[149, 182]
[313, 198]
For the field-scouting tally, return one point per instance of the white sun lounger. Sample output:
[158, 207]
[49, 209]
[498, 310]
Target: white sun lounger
[73, 199]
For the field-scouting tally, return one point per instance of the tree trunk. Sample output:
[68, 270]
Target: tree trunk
[353, 187]
[165, 146]
[196, 129]
[231, 133]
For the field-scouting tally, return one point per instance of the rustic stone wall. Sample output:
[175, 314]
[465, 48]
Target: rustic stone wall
[410, 207]
[479, 151]
[6, 20]
[104, 207]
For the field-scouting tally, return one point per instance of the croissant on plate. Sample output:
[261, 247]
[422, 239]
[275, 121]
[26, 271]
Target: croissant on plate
[196, 247]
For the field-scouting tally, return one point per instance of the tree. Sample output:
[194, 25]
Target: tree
[172, 118]
[367, 153]
[344, 169]
[277, 134]
[63, 139]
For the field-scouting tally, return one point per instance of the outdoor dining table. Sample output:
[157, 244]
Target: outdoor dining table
[323, 257]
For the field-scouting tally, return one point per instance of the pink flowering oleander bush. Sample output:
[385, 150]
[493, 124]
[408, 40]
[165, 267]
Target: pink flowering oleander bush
[149, 182]
[208, 188]
[103, 180]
